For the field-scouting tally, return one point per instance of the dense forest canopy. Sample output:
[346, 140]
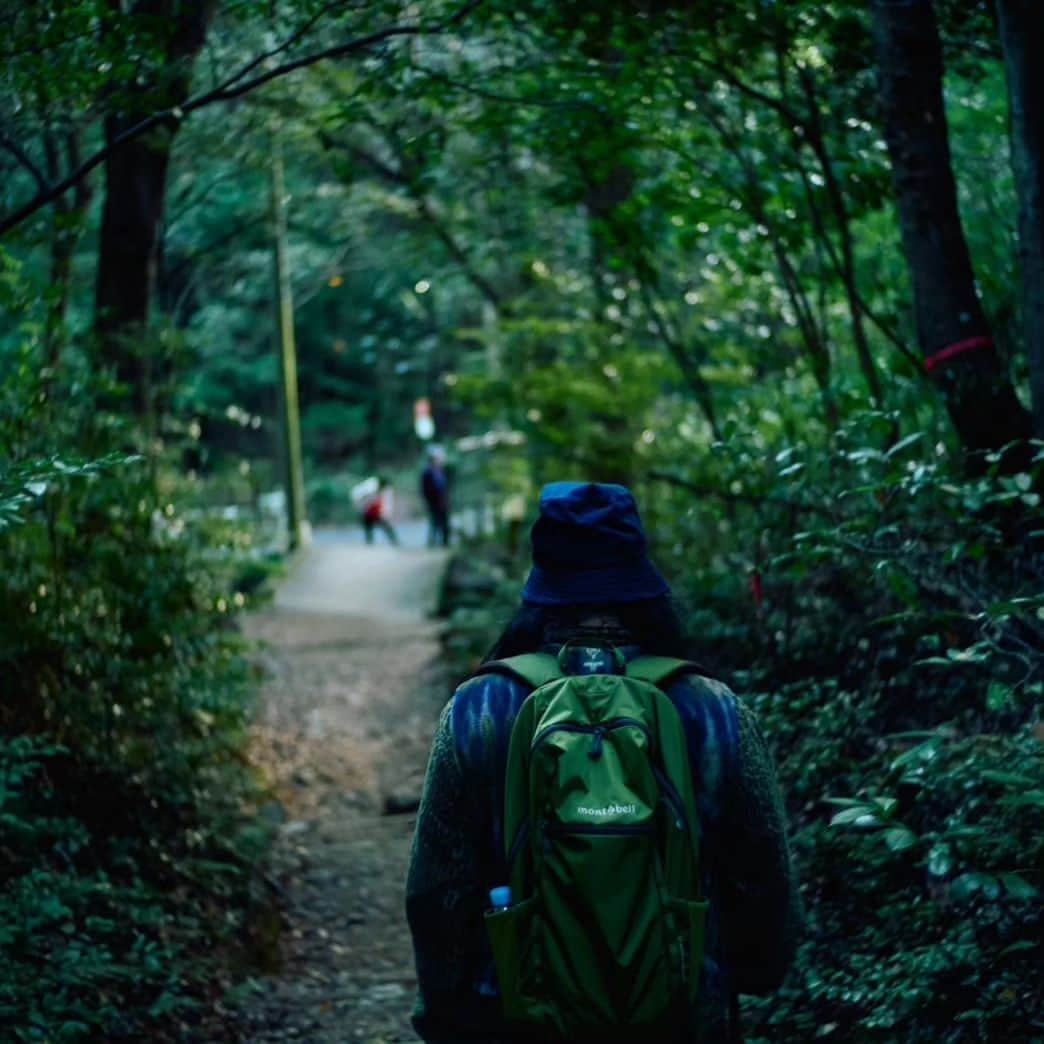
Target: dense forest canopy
[778, 266]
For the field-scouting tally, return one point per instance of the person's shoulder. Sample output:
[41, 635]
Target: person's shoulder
[694, 692]
[486, 687]
[710, 713]
[693, 684]
[483, 709]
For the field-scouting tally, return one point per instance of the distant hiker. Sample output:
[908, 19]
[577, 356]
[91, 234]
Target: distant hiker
[601, 850]
[376, 513]
[435, 491]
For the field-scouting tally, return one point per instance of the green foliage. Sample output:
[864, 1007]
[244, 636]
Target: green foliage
[21, 484]
[580, 414]
[943, 854]
[893, 656]
[641, 244]
[124, 804]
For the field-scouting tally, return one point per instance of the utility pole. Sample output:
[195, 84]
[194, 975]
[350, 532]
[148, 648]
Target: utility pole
[290, 418]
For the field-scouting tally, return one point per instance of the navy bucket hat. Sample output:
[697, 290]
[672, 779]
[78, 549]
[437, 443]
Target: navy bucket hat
[589, 548]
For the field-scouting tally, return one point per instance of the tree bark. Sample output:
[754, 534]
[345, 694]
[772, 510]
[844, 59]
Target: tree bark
[977, 390]
[1022, 38]
[67, 228]
[135, 194]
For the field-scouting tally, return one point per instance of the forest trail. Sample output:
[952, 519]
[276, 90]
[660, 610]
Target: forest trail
[352, 693]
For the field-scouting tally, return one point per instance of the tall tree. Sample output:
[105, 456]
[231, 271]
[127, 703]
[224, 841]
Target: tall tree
[952, 328]
[136, 184]
[1022, 37]
[70, 212]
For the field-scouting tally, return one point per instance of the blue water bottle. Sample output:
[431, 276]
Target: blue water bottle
[500, 898]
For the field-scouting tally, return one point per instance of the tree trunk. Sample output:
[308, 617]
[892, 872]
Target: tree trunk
[135, 188]
[1022, 37]
[135, 194]
[293, 477]
[952, 329]
[68, 224]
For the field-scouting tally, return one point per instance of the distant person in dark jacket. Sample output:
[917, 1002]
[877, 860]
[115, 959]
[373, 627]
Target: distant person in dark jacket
[435, 491]
[591, 581]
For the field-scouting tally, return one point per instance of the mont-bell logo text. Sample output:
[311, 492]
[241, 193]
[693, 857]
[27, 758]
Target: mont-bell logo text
[607, 810]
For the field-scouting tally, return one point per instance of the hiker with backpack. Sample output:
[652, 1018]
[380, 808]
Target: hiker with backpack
[601, 849]
[376, 513]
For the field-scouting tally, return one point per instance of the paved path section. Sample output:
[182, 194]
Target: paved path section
[387, 583]
[354, 685]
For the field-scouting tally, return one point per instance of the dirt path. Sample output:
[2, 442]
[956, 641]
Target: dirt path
[352, 694]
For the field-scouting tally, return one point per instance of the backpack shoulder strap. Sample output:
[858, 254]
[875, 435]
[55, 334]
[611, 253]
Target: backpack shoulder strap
[535, 669]
[658, 669]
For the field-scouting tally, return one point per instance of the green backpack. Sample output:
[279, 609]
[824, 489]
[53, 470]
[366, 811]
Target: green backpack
[604, 934]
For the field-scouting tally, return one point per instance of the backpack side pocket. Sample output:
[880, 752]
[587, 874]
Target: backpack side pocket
[511, 933]
[691, 919]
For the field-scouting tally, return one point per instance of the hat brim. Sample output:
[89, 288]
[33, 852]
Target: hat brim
[608, 585]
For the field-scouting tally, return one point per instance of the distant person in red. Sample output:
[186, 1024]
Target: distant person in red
[435, 491]
[376, 512]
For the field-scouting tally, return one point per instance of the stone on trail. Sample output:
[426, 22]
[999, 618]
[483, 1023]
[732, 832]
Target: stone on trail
[399, 803]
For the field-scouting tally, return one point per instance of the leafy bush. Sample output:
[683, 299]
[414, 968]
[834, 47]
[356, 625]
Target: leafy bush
[128, 841]
[892, 647]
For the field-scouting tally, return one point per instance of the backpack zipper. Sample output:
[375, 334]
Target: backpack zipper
[598, 732]
[551, 829]
[516, 846]
[671, 796]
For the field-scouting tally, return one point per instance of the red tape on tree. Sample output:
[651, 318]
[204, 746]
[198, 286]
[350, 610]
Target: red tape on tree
[951, 351]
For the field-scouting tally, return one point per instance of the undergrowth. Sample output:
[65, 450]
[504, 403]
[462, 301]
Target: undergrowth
[128, 839]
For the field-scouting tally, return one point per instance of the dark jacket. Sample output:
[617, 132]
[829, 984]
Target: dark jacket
[458, 844]
[435, 487]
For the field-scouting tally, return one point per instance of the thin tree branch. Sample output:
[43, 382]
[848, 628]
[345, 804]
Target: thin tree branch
[425, 211]
[798, 127]
[458, 253]
[496, 96]
[293, 38]
[689, 369]
[740, 498]
[234, 87]
[25, 160]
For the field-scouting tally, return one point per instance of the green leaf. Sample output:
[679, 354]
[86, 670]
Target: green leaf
[998, 696]
[1033, 798]
[967, 885]
[1019, 947]
[923, 752]
[1018, 887]
[904, 443]
[940, 860]
[886, 806]
[900, 838]
[1011, 779]
[864, 816]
